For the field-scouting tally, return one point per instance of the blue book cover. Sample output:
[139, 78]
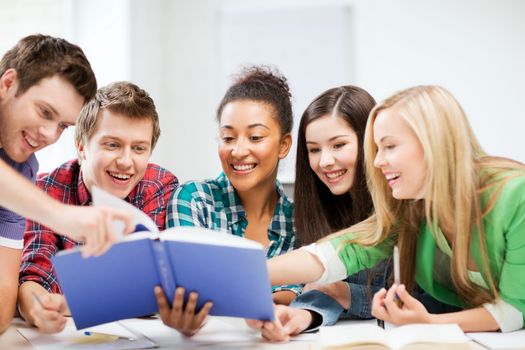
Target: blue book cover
[228, 270]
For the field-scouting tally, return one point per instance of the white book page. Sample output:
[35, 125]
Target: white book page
[500, 341]
[426, 333]
[201, 235]
[355, 334]
[102, 198]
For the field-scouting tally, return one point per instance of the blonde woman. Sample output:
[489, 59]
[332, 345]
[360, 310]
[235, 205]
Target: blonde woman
[456, 214]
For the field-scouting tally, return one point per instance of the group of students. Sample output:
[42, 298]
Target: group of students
[407, 172]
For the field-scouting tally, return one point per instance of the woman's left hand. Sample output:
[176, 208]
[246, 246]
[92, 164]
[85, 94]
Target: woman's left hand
[398, 307]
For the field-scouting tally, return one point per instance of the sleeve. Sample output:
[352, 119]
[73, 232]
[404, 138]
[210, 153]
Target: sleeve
[185, 209]
[156, 203]
[12, 225]
[326, 307]
[296, 288]
[40, 244]
[511, 284]
[341, 259]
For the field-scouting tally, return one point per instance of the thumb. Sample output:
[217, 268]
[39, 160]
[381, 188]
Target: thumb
[405, 296]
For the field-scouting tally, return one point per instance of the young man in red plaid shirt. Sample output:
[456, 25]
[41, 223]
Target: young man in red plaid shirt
[115, 135]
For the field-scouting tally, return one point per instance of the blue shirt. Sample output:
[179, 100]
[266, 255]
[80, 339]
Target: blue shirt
[12, 225]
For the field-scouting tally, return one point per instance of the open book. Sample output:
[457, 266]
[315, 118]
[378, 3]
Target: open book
[413, 336]
[228, 270]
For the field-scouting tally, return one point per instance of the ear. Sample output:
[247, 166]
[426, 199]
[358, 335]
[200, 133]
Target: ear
[286, 144]
[8, 82]
[80, 150]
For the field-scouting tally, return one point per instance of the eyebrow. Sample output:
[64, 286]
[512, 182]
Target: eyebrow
[385, 137]
[331, 138]
[106, 137]
[251, 126]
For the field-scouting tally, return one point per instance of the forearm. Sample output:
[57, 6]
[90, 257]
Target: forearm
[472, 320]
[9, 266]
[27, 300]
[298, 266]
[283, 297]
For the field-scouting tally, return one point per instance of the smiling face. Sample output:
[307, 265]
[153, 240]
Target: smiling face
[251, 144]
[400, 155]
[332, 152]
[115, 158]
[37, 117]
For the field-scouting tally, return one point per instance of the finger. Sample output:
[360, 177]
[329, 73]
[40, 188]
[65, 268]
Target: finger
[391, 298]
[203, 313]
[298, 321]
[107, 236]
[378, 308]
[273, 331]
[408, 300]
[254, 324]
[189, 312]
[177, 305]
[162, 303]
[126, 217]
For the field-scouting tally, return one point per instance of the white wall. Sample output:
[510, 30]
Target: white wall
[472, 47]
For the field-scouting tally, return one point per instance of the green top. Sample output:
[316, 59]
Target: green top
[504, 228]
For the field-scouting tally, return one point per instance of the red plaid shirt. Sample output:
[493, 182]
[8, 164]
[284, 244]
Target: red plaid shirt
[65, 184]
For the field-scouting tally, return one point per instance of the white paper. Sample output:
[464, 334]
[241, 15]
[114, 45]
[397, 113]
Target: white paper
[68, 338]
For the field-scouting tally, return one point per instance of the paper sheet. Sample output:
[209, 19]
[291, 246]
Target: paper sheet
[107, 337]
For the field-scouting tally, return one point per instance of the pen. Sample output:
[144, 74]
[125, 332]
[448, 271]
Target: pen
[38, 300]
[97, 334]
[397, 279]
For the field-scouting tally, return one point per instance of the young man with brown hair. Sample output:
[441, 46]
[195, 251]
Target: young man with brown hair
[44, 82]
[115, 135]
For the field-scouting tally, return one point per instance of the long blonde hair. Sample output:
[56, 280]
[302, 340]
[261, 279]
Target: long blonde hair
[453, 159]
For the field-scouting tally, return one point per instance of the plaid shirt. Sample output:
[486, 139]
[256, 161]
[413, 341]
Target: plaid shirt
[214, 204]
[66, 184]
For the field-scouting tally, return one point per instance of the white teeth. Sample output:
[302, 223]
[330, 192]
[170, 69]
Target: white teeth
[32, 142]
[334, 175]
[392, 176]
[120, 176]
[243, 167]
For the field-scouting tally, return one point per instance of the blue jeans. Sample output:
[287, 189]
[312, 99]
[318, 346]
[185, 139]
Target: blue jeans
[362, 286]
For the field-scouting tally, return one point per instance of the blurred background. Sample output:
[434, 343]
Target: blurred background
[184, 52]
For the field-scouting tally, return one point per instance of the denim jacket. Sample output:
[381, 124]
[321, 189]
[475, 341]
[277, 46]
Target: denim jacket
[361, 295]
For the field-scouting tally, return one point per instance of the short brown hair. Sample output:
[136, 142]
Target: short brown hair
[120, 97]
[36, 57]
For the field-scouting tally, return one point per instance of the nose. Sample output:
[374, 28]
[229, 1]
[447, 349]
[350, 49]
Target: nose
[50, 133]
[379, 160]
[124, 160]
[240, 149]
[327, 159]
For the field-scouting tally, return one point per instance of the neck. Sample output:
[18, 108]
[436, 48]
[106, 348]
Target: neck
[259, 201]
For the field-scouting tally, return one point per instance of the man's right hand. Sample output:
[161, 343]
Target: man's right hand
[92, 225]
[49, 314]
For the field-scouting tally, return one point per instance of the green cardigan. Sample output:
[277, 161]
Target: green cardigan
[504, 228]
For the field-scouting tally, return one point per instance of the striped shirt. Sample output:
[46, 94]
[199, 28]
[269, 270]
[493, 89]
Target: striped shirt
[214, 204]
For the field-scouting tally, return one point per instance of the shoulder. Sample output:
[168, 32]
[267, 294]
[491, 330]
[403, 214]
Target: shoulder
[28, 169]
[206, 190]
[158, 178]
[64, 176]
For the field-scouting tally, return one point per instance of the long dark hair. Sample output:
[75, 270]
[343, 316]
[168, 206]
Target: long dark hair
[317, 211]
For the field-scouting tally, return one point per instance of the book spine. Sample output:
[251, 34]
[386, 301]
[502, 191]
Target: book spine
[164, 270]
